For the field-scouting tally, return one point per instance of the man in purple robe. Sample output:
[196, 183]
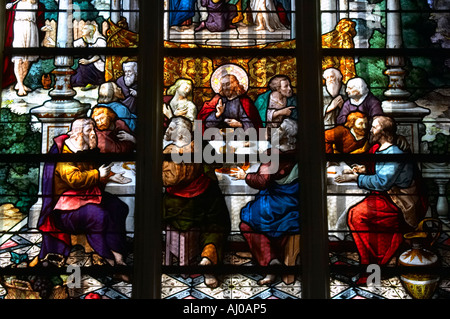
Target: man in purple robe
[128, 85]
[74, 201]
[360, 99]
[220, 16]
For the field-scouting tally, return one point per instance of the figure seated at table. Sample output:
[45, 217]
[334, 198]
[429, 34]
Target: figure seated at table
[74, 200]
[113, 135]
[273, 216]
[192, 199]
[350, 138]
[395, 204]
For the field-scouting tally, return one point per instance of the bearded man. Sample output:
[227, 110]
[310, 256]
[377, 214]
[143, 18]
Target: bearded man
[333, 97]
[230, 108]
[396, 202]
[128, 84]
[113, 135]
[75, 202]
[192, 199]
[278, 103]
[349, 138]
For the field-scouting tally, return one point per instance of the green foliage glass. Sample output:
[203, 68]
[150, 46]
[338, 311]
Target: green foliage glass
[19, 182]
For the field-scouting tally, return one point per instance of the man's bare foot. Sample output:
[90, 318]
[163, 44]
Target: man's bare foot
[21, 92]
[200, 27]
[267, 280]
[270, 278]
[210, 280]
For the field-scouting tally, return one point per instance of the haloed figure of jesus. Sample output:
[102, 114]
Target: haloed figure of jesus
[231, 107]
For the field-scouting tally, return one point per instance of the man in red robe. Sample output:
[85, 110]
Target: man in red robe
[230, 108]
[396, 202]
[113, 135]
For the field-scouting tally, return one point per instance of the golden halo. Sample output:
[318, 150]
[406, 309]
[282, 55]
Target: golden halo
[226, 69]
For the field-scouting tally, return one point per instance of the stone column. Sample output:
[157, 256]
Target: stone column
[407, 113]
[293, 20]
[440, 174]
[329, 19]
[166, 28]
[131, 16]
[115, 13]
[57, 114]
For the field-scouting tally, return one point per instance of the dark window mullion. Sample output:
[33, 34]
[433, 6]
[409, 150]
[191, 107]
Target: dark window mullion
[148, 208]
[312, 175]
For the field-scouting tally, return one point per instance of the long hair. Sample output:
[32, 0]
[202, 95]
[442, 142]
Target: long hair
[352, 117]
[388, 127]
[173, 89]
[105, 110]
[238, 87]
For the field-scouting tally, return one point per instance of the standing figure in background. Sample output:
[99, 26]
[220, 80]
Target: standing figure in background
[334, 100]
[265, 15]
[27, 24]
[220, 16]
[91, 71]
[128, 84]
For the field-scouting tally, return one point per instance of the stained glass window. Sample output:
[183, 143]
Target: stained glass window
[385, 79]
[264, 159]
[68, 123]
[230, 172]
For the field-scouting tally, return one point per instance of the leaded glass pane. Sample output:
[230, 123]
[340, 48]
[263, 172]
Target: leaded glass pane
[235, 23]
[224, 205]
[386, 135]
[68, 127]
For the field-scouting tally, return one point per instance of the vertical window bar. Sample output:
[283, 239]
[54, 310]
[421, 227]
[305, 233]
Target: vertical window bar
[314, 239]
[147, 258]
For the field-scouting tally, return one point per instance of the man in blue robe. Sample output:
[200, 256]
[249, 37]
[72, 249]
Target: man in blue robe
[180, 11]
[268, 221]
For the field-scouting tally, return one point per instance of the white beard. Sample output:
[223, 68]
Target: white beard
[129, 80]
[333, 89]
